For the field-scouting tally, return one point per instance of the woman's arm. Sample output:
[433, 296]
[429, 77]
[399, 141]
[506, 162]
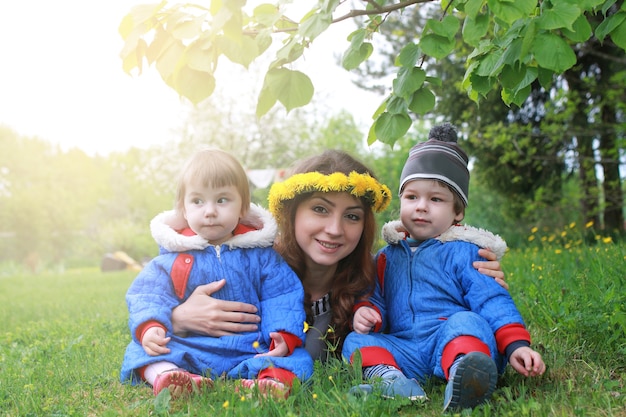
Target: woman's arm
[491, 267]
[209, 316]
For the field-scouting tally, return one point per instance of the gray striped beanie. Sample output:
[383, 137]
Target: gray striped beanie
[439, 158]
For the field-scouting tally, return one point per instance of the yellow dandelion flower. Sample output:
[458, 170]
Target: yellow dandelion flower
[557, 251]
[242, 398]
[607, 239]
[534, 229]
[225, 404]
[572, 225]
[531, 238]
[543, 238]
[306, 327]
[314, 396]
[588, 224]
[563, 233]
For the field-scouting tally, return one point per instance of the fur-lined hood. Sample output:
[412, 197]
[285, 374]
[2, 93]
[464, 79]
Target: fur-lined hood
[393, 232]
[165, 226]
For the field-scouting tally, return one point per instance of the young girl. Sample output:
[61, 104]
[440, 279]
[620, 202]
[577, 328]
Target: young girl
[326, 234]
[231, 239]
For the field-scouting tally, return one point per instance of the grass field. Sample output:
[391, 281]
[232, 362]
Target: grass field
[64, 336]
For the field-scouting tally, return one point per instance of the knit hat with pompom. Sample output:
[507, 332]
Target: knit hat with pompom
[439, 158]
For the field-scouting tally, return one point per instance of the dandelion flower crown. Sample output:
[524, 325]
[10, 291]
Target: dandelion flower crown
[375, 193]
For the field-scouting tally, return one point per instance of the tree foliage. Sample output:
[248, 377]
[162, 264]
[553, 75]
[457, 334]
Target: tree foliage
[513, 44]
[570, 133]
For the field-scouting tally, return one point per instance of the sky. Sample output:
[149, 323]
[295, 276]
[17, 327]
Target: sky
[61, 78]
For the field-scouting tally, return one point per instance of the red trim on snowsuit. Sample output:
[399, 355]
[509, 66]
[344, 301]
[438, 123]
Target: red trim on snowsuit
[375, 355]
[461, 345]
[510, 333]
[279, 374]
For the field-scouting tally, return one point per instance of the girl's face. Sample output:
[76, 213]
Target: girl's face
[212, 213]
[427, 209]
[329, 226]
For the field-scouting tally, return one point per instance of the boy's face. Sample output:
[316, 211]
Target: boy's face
[212, 213]
[427, 208]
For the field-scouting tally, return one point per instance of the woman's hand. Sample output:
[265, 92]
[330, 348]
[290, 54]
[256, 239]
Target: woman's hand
[209, 316]
[491, 267]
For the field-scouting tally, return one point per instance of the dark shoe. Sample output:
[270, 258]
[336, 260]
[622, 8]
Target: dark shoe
[474, 382]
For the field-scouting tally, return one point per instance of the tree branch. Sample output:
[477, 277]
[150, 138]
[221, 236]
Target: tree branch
[379, 9]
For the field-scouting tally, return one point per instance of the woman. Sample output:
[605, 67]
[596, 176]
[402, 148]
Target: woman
[325, 215]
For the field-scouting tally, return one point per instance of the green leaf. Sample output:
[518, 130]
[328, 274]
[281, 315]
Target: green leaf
[490, 64]
[473, 7]
[266, 101]
[168, 61]
[408, 81]
[408, 56]
[511, 10]
[291, 51]
[436, 46]
[618, 35]
[480, 85]
[292, 88]
[422, 102]
[518, 98]
[358, 51]
[315, 24]
[474, 29]
[194, 85]
[396, 105]
[266, 14]
[553, 53]
[545, 77]
[581, 30]
[528, 39]
[511, 75]
[187, 28]
[609, 24]
[138, 19]
[390, 127]
[446, 28]
[198, 58]
[240, 51]
[353, 58]
[561, 15]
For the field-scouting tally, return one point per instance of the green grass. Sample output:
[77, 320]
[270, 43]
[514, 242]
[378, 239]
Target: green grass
[64, 336]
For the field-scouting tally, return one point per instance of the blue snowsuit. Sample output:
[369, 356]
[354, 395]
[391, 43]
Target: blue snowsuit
[254, 274]
[432, 295]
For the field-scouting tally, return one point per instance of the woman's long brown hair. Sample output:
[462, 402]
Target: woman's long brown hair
[355, 276]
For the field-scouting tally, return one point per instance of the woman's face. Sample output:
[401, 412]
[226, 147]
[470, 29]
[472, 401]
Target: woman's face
[329, 226]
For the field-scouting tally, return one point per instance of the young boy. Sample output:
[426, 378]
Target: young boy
[440, 316]
[233, 241]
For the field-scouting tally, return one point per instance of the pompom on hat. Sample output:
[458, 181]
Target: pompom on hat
[439, 158]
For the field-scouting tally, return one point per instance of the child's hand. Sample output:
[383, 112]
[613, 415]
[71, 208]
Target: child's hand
[154, 341]
[365, 318]
[527, 362]
[280, 346]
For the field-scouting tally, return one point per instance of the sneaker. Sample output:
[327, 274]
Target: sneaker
[180, 383]
[398, 387]
[267, 386]
[474, 382]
